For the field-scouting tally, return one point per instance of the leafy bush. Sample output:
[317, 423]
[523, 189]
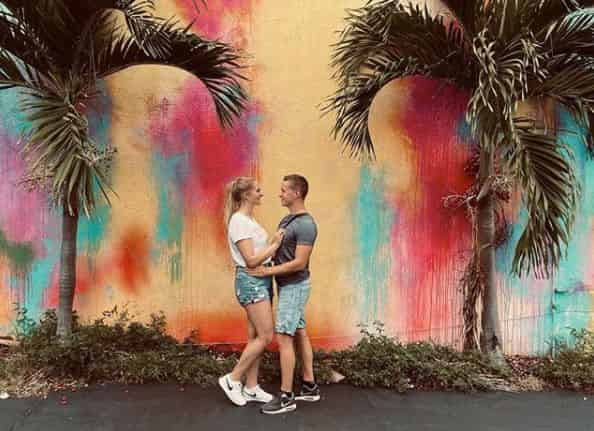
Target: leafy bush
[573, 366]
[380, 361]
[4, 369]
[116, 349]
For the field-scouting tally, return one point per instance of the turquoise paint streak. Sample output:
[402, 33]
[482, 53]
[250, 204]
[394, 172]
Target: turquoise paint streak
[41, 274]
[169, 172]
[566, 299]
[572, 303]
[373, 219]
[13, 122]
[91, 230]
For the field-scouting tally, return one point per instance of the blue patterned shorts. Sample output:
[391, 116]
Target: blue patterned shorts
[250, 290]
[291, 306]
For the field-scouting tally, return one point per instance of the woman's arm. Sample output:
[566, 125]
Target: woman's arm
[302, 254]
[252, 260]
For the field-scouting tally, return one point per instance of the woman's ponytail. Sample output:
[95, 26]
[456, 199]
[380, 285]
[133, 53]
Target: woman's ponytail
[233, 194]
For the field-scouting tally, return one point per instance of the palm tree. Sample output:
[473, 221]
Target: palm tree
[56, 52]
[502, 52]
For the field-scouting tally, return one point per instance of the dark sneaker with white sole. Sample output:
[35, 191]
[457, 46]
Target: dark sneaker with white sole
[310, 394]
[282, 403]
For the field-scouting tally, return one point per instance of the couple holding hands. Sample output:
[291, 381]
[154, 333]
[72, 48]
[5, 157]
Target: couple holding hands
[257, 259]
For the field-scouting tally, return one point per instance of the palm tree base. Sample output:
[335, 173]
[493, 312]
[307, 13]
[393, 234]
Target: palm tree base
[496, 357]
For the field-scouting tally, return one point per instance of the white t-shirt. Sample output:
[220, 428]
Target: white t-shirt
[244, 227]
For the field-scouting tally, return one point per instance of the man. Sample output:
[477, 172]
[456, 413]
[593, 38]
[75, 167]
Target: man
[291, 271]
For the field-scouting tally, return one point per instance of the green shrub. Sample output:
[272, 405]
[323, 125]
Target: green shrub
[573, 366]
[4, 369]
[380, 361]
[116, 349]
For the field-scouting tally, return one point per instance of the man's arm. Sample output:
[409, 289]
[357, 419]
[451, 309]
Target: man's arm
[302, 253]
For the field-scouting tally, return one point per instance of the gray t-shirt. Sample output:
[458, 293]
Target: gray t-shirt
[300, 229]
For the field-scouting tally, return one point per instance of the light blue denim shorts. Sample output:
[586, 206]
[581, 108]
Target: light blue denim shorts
[249, 289]
[290, 311]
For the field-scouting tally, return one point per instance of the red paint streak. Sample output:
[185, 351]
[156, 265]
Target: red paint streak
[189, 126]
[221, 19]
[432, 236]
[51, 294]
[131, 258]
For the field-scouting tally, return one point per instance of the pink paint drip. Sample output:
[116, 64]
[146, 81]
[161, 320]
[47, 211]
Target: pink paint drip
[427, 236]
[220, 19]
[215, 155]
[20, 213]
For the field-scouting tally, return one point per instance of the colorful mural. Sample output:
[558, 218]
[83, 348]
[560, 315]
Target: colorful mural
[387, 248]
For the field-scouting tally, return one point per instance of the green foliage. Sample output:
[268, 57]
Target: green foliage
[117, 349]
[4, 369]
[573, 365]
[23, 324]
[381, 361]
[502, 53]
[56, 52]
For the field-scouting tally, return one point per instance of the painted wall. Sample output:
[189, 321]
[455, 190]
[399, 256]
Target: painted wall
[387, 250]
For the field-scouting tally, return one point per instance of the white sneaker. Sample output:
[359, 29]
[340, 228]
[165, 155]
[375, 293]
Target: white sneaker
[233, 390]
[257, 394]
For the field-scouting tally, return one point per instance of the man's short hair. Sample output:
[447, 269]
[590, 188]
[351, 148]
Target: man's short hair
[298, 183]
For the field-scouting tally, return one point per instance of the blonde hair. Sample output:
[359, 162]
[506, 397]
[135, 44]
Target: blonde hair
[233, 194]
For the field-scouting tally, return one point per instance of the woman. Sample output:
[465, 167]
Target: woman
[249, 246]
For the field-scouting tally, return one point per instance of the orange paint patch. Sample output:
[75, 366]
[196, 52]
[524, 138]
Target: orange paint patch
[229, 332]
[131, 259]
[212, 327]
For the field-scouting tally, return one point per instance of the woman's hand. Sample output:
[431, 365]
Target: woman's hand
[260, 271]
[277, 238]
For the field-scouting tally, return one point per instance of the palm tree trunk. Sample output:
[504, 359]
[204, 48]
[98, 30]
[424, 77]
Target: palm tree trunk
[491, 333]
[67, 273]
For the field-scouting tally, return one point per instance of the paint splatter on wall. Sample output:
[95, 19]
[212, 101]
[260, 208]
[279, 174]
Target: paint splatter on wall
[387, 248]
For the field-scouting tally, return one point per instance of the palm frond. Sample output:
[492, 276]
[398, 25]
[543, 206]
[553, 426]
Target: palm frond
[145, 28]
[216, 64]
[501, 18]
[543, 168]
[465, 13]
[14, 73]
[402, 31]
[60, 154]
[505, 75]
[590, 135]
[50, 23]
[571, 33]
[569, 80]
[18, 39]
[352, 102]
[384, 41]
[538, 15]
